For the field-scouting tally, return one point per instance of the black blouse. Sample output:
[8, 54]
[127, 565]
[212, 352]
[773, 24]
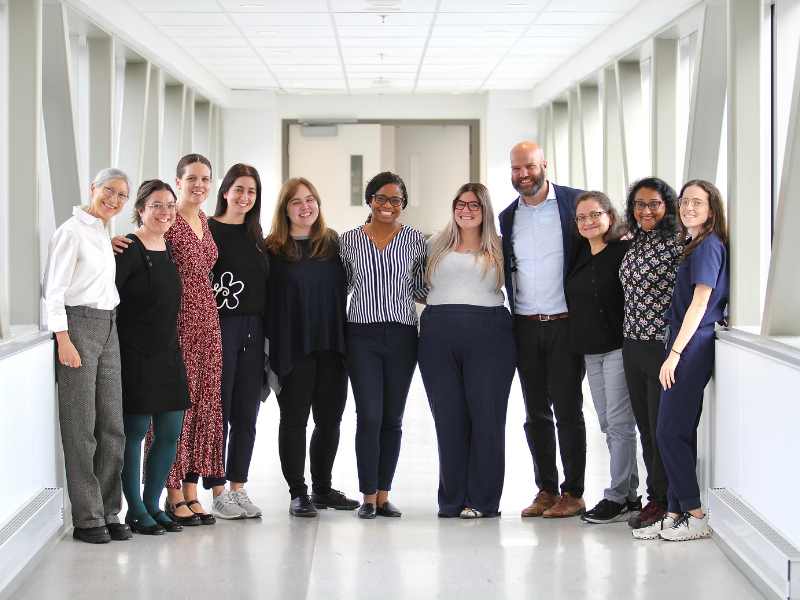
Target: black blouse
[595, 299]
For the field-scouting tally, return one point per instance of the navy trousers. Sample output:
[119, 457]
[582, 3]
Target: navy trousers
[467, 358]
[678, 417]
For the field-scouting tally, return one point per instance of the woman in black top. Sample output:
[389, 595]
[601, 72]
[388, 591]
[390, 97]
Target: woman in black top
[154, 384]
[595, 298]
[239, 280]
[306, 315]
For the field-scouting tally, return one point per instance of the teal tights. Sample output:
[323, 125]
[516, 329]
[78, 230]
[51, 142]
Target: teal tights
[166, 431]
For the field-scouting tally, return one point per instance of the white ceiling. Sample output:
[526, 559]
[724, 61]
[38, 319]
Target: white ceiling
[311, 46]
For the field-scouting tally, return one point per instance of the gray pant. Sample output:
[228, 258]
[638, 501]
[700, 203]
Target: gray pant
[90, 414]
[613, 406]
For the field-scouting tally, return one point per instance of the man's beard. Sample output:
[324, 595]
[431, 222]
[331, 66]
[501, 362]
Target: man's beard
[532, 188]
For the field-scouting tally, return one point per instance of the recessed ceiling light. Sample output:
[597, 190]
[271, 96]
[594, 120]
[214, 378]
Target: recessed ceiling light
[381, 81]
[290, 69]
[299, 84]
[269, 32]
[305, 93]
[497, 31]
[483, 52]
[280, 52]
[252, 5]
[456, 93]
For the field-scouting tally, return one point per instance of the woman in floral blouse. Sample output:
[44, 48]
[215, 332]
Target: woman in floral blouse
[648, 277]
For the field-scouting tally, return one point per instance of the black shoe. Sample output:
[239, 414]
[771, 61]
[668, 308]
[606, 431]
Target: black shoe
[92, 535]
[634, 506]
[302, 507]
[367, 511]
[607, 511]
[189, 521]
[119, 531]
[168, 524]
[205, 518]
[334, 499]
[387, 509]
[143, 529]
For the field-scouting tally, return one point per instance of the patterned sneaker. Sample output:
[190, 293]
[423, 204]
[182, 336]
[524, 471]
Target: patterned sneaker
[647, 516]
[651, 532]
[607, 511]
[687, 527]
[242, 499]
[470, 513]
[225, 507]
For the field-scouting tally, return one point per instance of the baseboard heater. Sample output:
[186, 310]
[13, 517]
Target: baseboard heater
[763, 550]
[27, 531]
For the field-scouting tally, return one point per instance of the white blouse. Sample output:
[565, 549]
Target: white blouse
[80, 269]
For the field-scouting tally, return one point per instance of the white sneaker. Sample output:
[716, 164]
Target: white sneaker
[225, 507]
[471, 513]
[651, 533]
[687, 527]
[242, 499]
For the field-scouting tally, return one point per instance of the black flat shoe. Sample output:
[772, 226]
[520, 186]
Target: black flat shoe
[302, 507]
[168, 524]
[144, 529]
[367, 511]
[205, 518]
[387, 509]
[170, 512]
[91, 535]
[334, 499]
[119, 531]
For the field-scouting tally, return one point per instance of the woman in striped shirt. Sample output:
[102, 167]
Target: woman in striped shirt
[385, 263]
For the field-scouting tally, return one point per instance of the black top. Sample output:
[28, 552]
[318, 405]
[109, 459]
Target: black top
[306, 308]
[596, 300]
[239, 277]
[153, 371]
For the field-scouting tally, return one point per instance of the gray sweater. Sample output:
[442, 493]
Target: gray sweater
[459, 280]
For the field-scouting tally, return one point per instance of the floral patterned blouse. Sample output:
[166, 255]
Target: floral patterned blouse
[648, 274]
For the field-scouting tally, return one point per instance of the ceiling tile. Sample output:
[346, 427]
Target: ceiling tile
[200, 31]
[491, 6]
[187, 18]
[295, 6]
[578, 18]
[146, 6]
[566, 30]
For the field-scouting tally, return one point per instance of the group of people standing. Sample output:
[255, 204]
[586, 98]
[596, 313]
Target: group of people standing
[174, 334]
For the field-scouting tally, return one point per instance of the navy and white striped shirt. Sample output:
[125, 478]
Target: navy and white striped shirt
[384, 284]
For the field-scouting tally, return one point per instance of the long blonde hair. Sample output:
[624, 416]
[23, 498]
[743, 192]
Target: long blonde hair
[490, 251]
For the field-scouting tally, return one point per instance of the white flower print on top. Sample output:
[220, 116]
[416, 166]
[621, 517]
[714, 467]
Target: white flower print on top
[227, 291]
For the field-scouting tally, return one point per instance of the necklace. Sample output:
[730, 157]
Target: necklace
[369, 233]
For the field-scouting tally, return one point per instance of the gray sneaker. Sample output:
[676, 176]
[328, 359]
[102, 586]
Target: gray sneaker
[243, 500]
[225, 507]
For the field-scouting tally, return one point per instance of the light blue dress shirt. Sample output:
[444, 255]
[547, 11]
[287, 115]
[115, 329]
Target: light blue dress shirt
[538, 246]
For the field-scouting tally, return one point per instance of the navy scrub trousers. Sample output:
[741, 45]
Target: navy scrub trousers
[467, 358]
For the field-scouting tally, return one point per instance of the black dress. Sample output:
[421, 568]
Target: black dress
[153, 372]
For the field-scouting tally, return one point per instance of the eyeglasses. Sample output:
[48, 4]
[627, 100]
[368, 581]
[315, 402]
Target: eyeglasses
[394, 200]
[471, 206]
[696, 202]
[595, 216]
[111, 192]
[653, 206]
[158, 207]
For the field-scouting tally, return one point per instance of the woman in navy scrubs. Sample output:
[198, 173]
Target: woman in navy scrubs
[699, 300]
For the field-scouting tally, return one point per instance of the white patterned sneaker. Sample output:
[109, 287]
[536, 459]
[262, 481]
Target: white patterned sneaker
[651, 533]
[471, 513]
[225, 507]
[242, 499]
[687, 527]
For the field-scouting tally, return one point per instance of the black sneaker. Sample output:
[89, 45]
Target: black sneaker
[634, 506]
[607, 511]
[334, 499]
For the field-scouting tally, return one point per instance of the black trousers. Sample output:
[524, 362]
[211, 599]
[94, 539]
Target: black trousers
[642, 360]
[467, 359]
[318, 383]
[551, 376]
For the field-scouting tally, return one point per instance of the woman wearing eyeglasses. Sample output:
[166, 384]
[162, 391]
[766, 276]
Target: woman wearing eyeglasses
[80, 300]
[467, 356]
[595, 299]
[385, 264]
[648, 275]
[154, 384]
[698, 302]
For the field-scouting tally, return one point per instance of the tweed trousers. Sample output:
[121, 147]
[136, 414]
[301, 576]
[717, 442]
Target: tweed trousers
[90, 414]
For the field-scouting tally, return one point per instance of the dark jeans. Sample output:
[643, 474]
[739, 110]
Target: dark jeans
[551, 376]
[318, 382]
[381, 358]
[642, 360]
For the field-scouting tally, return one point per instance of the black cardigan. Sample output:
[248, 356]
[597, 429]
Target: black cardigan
[596, 299]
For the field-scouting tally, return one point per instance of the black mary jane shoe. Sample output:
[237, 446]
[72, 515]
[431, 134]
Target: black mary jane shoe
[137, 527]
[187, 521]
[119, 531]
[205, 518]
[387, 509]
[169, 525]
[367, 511]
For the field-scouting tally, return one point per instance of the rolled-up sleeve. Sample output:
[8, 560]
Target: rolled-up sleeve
[61, 260]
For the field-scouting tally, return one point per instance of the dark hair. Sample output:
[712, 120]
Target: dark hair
[667, 226]
[190, 159]
[252, 219]
[616, 229]
[145, 190]
[380, 180]
[716, 220]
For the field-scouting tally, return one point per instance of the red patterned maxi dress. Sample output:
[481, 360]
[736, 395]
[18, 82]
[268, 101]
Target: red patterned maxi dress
[200, 444]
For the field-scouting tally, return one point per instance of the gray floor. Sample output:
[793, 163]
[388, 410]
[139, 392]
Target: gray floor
[418, 556]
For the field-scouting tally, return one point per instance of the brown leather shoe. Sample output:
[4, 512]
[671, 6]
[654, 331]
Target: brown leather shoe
[541, 503]
[566, 506]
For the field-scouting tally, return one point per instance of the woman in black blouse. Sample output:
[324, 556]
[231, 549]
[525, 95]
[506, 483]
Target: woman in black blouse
[648, 274]
[154, 384]
[595, 299]
[306, 315]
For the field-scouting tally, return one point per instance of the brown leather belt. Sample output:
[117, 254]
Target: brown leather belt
[544, 317]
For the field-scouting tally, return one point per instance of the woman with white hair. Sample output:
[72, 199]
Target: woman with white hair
[80, 296]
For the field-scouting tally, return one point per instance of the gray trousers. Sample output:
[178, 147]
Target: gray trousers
[90, 414]
[614, 411]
